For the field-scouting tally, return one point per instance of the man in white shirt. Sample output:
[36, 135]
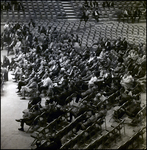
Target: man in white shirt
[92, 80]
[6, 26]
[47, 84]
[127, 81]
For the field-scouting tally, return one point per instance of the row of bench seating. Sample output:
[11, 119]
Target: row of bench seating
[113, 31]
[131, 143]
[69, 126]
[140, 116]
[36, 10]
[105, 138]
[84, 135]
[89, 32]
[107, 14]
[60, 132]
[55, 10]
[56, 123]
[88, 36]
[41, 133]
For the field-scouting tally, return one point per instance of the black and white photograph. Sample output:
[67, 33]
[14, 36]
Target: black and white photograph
[73, 74]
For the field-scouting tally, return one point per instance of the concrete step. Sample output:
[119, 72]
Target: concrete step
[72, 17]
[68, 10]
[69, 13]
[67, 4]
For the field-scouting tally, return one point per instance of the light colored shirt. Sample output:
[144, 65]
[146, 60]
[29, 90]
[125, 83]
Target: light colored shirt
[92, 80]
[127, 81]
[6, 26]
[60, 82]
[90, 59]
[17, 46]
[47, 82]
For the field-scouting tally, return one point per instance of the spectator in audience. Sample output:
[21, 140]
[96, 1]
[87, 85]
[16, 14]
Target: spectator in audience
[28, 117]
[55, 143]
[35, 100]
[95, 3]
[125, 13]
[85, 15]
[96, 15]
[17, 46]
[139, 14]
[6, 38]
[72, 74]
[17, 73]
[31, 22]
[29, 39]
[6, 62]
[14, 5]
[42, 30]
[12, 62]
[21, 83]
[2, 6]
[20, 6]
[11, 45]
[8, 6]
[45, 84]
[30, 87]
[4, 71]
[2, 80]
[127, 81]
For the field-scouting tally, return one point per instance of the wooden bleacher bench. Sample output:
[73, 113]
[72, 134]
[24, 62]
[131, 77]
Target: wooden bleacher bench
[105, 136]
[134, 138]
[44, 130]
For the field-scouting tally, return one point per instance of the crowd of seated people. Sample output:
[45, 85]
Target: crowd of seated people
[132, 13]
[92, 8]
[108, 4]
[11, 5]
[61, 71]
